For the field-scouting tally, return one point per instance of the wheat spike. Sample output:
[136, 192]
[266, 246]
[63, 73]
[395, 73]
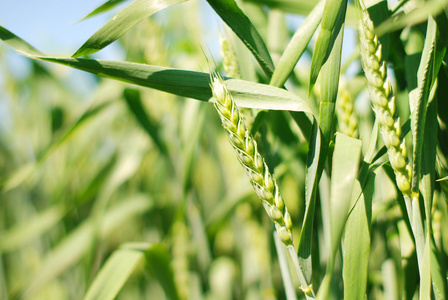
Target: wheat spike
[347, 120]
[384, 103]
[254, 165]
[228, 55]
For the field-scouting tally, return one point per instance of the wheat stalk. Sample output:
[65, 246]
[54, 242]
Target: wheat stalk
[180, 259]
[384, 103]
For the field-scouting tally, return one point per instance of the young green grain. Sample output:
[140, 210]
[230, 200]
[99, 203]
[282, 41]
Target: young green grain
[229, 61]
[254, 165]
[384, 103]
[347, 120]
[258, 172]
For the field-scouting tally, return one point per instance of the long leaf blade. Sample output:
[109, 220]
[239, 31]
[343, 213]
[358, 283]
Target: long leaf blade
[115, 272]
[297, 46]
[330, 15]
[121, 23]
[235, 18]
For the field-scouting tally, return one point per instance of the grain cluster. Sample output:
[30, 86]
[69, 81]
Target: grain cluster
[384, 102]
[252, 161]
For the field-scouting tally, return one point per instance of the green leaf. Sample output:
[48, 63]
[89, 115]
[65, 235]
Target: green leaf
[313, 173]
[282, 255]
[356, 241]
[346, 156]
[330, 83]
[134, 102]
[76, 244]
[159, 265]
[24, 171]
[188, 83]
[297, 46]
[333, 11]
[301, 7]
[184, 83]
[438, 273]
[443, 179]
[103, 8]
[235, 18]
[119, 267]
[22, 233]
[419, 100]
[115, 272]
[17, 43]
[357, 238]
[121, 23]
[420, 13]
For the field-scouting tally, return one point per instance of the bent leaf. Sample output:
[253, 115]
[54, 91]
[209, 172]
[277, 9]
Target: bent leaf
[127, 18]
[235, 18]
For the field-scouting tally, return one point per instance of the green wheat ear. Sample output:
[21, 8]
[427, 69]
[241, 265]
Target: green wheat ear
[384, 103]
[252, 161]
[229, 61]
[347, 119]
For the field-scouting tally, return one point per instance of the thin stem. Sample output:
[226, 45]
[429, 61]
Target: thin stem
[306, 287]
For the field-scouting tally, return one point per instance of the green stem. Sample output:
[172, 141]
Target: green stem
[419, 234]
[306, 287]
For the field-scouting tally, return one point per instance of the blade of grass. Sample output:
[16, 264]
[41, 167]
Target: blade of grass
[235, 18]
[332, 12]
[184, 83]
[356, 239]
[75, 245]
[158, 263]
[330, 83]
[313, 173]
[121, 23]
[106, 6]
[346, 156]
[115, 272]
[119, 267]
[17, 177]
[24, 232]
[189, 84]
[17, 43]
[427, 188]
[419, 100]
[284, 268]
[356, 242]
[418, 15]
[301, 7]
[134, 102]
[297, 46]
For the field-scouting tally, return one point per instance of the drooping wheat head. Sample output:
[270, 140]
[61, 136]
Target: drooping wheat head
[384, 103]
[252, 161]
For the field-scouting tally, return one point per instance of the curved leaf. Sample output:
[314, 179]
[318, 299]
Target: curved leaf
[235, 18]
[297, 46]
[130, 16]
[188, 84]
[103, 8]
[119, 267]
[114, 274]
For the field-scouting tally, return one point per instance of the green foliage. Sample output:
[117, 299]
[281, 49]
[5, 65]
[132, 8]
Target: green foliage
[134, 191]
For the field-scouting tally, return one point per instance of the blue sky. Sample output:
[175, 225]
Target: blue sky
[50, 25]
